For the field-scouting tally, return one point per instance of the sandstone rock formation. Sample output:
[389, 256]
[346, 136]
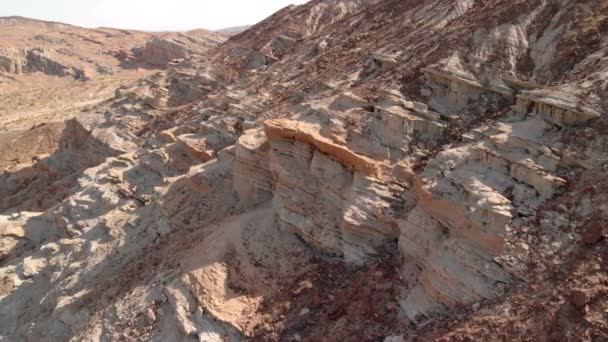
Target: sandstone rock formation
[158, 51]
[366, 170]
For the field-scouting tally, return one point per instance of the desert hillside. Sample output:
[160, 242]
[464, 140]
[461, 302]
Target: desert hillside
[344, 170]
[49, 72]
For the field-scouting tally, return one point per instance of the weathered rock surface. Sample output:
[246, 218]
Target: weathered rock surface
[19, 61]
[159, 51]
[443, 157]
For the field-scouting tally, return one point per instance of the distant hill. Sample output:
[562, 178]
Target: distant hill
[31, 45]
[231, 31]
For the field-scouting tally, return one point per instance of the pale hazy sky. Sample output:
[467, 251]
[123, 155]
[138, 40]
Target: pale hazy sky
[147, 14]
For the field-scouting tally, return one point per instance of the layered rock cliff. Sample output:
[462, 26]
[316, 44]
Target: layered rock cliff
[365, 170]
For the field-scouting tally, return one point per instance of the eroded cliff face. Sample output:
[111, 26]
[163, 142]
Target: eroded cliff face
[397, 161]
[453, 220]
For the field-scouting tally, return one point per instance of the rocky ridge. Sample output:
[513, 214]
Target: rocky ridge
[438, 155]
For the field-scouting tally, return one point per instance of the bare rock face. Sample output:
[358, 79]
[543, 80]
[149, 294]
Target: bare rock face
[41, 60]
[270, 40]
[353, 169]
[253, 180]
[323, 192]
[12, 61]
[160, 51]
[19, 61]
[558, 108]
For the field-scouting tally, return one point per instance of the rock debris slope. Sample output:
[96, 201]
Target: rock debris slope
[344, 170]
